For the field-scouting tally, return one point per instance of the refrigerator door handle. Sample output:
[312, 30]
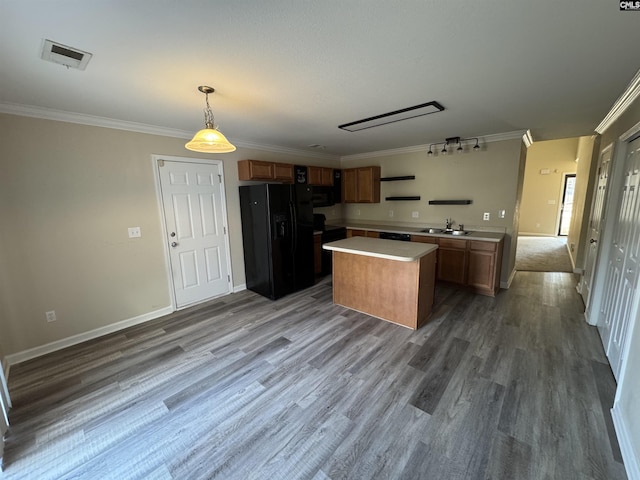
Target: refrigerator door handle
[294, 227]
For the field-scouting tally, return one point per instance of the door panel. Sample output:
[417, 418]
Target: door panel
[595, 223]
[194, 218]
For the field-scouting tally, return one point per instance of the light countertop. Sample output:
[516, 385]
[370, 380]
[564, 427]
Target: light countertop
[473, 235]
[376, 247]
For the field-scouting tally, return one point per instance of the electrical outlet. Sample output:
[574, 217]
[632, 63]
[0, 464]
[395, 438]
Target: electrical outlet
[486, 216]
[415, 214]
[501, 213]
[358, 212]
[51, 315]
[391, 213]
[135, 232]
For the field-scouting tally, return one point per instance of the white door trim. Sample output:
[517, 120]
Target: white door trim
[165, 245]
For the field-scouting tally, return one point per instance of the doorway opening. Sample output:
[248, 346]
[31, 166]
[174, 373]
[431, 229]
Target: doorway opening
[568, 191]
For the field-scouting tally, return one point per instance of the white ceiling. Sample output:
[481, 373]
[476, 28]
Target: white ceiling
[287, 73]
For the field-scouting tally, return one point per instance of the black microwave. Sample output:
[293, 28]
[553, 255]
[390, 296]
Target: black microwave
[323, 196]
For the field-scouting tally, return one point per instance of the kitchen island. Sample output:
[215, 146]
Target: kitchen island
[391, 280]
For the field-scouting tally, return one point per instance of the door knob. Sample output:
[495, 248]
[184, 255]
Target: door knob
[593, 240]
[174, 244]
[172, 234]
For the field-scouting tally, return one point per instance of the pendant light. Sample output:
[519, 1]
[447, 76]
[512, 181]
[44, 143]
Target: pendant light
[209, 139]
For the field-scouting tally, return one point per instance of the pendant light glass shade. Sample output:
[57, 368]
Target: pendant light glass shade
[209, 139]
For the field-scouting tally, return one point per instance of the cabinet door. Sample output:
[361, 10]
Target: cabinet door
[256, 170]
[350, 185]
[315, 175]
[481, 276]
[320, 176]
[327, 177]
[452, 260]
[373, 234]
[283, 172]
[368, 185]
[452, 265]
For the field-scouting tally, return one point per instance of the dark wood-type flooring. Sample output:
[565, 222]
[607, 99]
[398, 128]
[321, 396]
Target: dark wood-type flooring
[512, 387]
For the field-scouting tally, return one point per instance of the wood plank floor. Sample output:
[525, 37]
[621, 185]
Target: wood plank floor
[512, 387]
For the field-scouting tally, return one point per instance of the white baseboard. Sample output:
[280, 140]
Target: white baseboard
[25, 355]
[239, 288]
[507, 284]
[535, 234]
[631, 462]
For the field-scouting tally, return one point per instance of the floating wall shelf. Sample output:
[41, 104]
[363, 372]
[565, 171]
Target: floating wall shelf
[403, 198]
[393, 179]
[449, 202]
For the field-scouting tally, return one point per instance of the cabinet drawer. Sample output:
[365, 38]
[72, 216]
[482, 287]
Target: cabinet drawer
[423, 239]
[352, 232]
[452, 243]
[483, 246]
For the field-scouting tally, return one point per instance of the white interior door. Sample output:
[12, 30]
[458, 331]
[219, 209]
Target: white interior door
[196, 234]
[622, 271]
[595, 223]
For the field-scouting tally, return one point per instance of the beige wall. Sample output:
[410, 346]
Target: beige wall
[538, 216]
[67, 195]
[585, 180]
[489, 178]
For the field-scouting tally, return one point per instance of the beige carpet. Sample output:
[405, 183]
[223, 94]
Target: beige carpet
[543, 254]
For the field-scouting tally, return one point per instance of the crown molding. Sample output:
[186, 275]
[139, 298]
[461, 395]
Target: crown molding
[498, 137]
[630, 94]
[285, 150]
[83, 119]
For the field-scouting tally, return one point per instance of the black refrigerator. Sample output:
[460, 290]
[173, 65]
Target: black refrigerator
[277, 233]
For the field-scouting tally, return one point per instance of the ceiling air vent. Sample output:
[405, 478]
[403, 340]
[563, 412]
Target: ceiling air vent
[68, 56]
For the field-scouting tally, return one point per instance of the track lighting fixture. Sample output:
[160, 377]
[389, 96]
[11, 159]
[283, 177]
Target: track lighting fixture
[454, 141]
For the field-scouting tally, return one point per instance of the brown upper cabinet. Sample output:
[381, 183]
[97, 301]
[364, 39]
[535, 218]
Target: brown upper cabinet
[361, 185]
[322, 176]
[261, 170]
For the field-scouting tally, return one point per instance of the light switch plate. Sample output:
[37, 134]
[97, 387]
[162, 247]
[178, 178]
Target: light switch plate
[415, 215]
[486, 216]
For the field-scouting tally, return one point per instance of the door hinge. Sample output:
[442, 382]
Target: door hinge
[228, 278]
[220, 178]
[224, 229]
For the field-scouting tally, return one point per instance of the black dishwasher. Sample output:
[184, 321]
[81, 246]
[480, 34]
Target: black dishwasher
[403, 237]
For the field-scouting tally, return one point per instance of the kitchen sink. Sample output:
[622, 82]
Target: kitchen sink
[446, 232]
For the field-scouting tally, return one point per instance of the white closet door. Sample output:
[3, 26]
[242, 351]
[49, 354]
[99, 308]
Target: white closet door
[622, 270]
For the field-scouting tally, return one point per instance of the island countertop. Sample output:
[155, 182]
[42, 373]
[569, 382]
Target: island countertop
[376, 247]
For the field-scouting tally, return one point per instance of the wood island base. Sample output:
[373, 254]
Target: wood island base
[397, 291]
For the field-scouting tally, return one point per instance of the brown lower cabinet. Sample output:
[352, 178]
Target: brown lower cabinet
[351, 232]
[485, 265]
[452, 260]
[474, 264]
